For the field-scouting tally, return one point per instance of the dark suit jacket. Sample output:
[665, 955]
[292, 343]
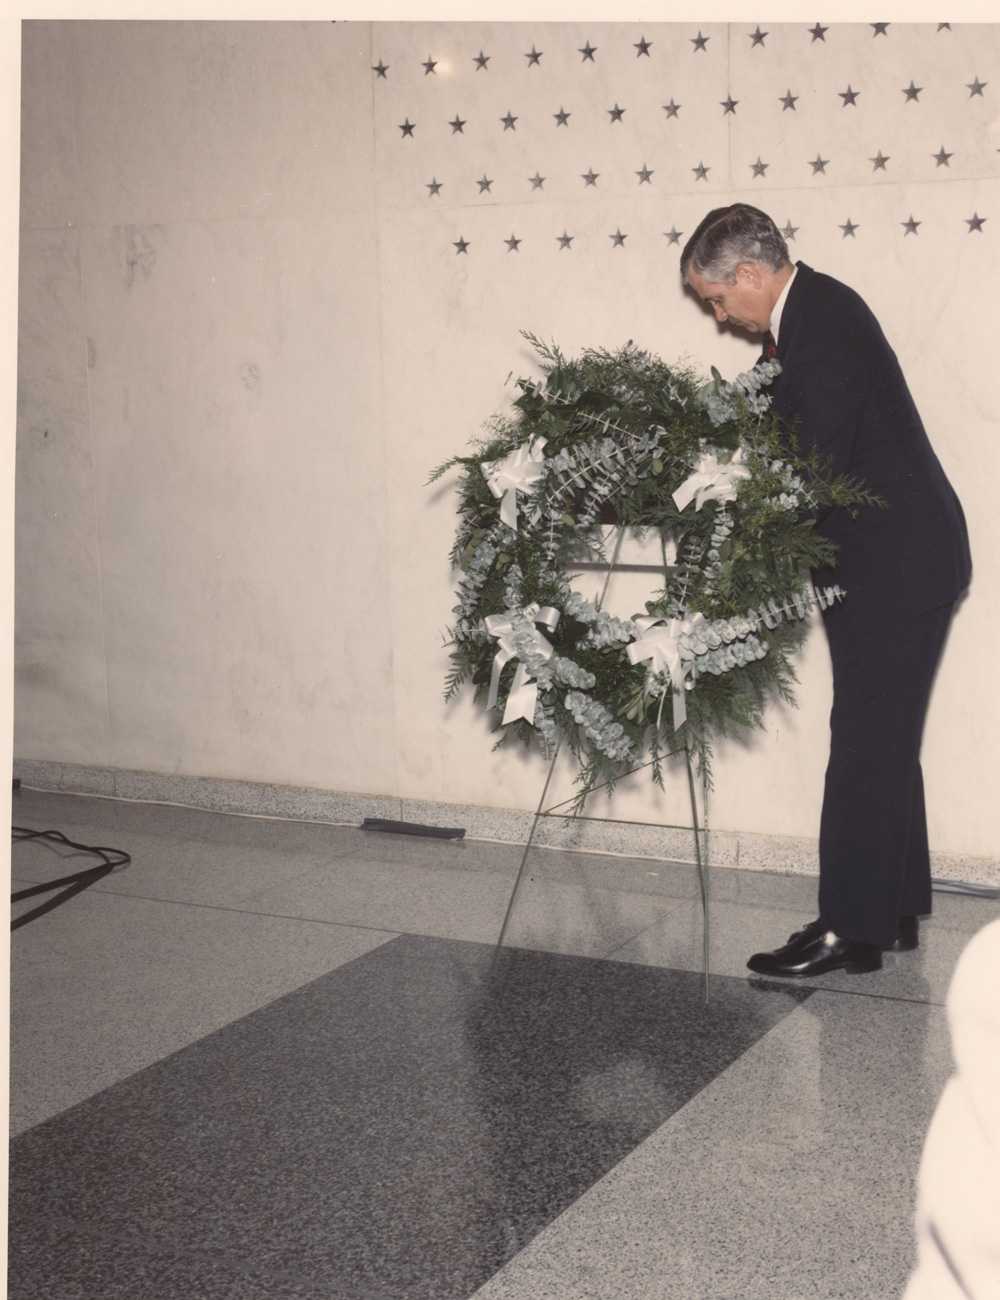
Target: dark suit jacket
[842, 388]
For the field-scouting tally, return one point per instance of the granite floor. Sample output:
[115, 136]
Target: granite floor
[279, 1059]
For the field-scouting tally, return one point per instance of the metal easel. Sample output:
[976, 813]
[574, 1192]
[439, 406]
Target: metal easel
[698, 828]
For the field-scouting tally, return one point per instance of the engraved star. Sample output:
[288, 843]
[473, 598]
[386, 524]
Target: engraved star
[880, 29]
[879, 161]
[562, 117]
[699, 42]
[912, 92]
[818, 33]
[941, 157]
[616, 113]
[618, 239]
[434, 186]
[588, 51]
[758, 37]
[673, 234]
[701, 172]
[508, 121]
[565, 240]
[759, 168]
[729, 105]
[672, 109]
[645, 175]
[461, 245]
[457, 124]
[849, 227]
[975, 222]
[535, 57]
[407, 128]
[481, 60]
[381, 68]
[484, 183]
[849, 96]
[788, 102]
[590, 177]
[944, 27]
[819, 165]
[430, 65]
[513, 244]
[910, 227]
[975, 87]
[790, 231]
[536, 181]
[642, 46]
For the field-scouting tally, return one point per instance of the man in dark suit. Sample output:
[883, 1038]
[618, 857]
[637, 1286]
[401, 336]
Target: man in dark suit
[903, 568]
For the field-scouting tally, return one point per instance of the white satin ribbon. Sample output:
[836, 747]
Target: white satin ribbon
[660, 642]
[523, 695]
[518, 472]
[712, 480]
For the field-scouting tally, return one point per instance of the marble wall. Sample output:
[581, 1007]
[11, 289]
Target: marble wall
[249, 330]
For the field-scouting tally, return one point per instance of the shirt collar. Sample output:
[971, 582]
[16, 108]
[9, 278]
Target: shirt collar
[779, 306]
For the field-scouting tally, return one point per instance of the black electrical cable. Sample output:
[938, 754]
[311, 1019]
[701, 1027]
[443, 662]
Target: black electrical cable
[74, 883]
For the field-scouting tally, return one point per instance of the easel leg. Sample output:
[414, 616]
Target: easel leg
[700, 860]
[527, 849]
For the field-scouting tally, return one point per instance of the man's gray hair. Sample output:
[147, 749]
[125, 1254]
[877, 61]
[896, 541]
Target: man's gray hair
[728, 236]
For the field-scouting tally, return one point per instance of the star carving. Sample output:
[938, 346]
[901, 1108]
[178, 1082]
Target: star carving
[880, 29]
[429, 65]
[589, 177]
[879, 161]
[699, 42]
[618, 239]
[788, 101]
[616, 113]
[536, 181]
[434, 186]
[588, 51]
[642, 46]
[645, 175]
[513, 244]
[849, 96]
[758, 37]
[912, 92]
[759, 168]
[562, 117]
[849, 227]
[481, 60]
[565, 240]
[701, 172]
[381, 68]
[818, 33]
[975, 223]
[944, 27]
[534, 57]
[508, 121]
[485, 184]
[819, 165]
[461, 245]
[976, 87]
[910, 226]
[673, 235]
[942, 157]
[457, 125]
[672, 109]
[407, 128]
[790, 231]
[729, 105]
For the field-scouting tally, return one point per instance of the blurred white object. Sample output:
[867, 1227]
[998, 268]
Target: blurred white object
[958, 1192]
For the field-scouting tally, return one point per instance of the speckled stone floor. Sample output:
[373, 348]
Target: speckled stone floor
[273, 1060]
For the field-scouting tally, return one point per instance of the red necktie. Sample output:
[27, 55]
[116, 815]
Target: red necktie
[770, 347]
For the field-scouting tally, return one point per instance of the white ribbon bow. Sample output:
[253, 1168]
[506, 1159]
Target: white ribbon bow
[660, 642]
[518, 472]
[523, 695]
[712, 480]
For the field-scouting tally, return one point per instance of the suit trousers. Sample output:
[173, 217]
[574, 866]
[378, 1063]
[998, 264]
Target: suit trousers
[873, 853]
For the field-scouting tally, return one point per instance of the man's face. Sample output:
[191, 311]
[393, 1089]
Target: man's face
[745, 303]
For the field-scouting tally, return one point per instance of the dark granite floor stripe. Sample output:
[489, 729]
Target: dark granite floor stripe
[396, 1130]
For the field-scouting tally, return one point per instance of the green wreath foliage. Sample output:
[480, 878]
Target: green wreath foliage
[623, 431]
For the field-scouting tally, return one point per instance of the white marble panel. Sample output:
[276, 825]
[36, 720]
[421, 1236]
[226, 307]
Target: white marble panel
[50, 176]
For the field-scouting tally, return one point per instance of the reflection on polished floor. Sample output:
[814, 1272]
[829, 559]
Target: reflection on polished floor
[278, 1059]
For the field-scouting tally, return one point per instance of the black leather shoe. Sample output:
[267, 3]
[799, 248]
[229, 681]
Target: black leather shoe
[907, 935]
[823, 952]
